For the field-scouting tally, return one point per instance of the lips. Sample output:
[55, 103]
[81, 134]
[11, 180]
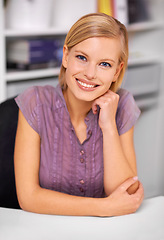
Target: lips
[86, 85]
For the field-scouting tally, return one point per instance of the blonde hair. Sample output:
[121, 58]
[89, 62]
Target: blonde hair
[97, 25]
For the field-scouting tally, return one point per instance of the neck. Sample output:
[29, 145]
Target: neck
[77, 109]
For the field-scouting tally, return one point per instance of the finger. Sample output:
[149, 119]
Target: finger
[94, 105]
[111, 93]
[140, 191]
[94, 108]
[124, 186]
[105, 99]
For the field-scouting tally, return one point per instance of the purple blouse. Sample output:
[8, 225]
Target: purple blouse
[66, 165]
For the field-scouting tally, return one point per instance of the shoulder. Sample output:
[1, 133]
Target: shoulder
[124, 95]
[36, 96]
[37, 102]
[127, 111]
[126, 100]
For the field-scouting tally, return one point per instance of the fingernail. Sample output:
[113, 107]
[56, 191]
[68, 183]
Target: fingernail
[135, 178]
[94, 110]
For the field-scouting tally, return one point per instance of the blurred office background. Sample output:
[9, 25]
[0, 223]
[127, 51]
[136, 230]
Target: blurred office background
[32, 34]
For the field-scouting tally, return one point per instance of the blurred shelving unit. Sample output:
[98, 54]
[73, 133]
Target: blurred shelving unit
[32, 74]
[142, 37]
[144, 26]
[25, 75]
[13, 76]
[51, 31]
[144, 79]
[2, 54]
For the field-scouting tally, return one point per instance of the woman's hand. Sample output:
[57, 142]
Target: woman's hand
[120, 202]
[108, 106]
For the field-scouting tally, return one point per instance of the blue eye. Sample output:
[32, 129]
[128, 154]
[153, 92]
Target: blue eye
[81, 57]
[105, 64]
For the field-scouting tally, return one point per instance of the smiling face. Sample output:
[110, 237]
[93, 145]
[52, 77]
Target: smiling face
[91, 67]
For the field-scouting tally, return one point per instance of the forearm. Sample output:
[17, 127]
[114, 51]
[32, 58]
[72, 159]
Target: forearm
[46, 201]
[51, 202]
[116, 167]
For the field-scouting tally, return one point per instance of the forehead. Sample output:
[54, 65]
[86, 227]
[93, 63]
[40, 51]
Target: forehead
[99, 46]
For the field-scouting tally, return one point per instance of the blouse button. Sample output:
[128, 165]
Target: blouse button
[82, 160]
[89, 132]
[82, 181]
[82, 152]
[81, 190]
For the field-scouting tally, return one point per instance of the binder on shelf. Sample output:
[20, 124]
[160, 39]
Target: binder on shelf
[138, 11]
[34, 53]
[116, 8]
[27, 15]
[105, 6]
[120, 10]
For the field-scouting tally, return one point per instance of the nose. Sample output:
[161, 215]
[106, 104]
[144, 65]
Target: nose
[90, 71]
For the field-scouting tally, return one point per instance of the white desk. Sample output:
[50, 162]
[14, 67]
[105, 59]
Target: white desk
[146, 224]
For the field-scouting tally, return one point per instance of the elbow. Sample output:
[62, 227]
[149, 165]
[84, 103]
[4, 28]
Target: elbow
[130, 190]
[23, 206]
[133, 188]
[27, 201]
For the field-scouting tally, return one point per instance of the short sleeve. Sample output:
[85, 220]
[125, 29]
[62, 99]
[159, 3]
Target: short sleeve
[27, 102]
[127, 112]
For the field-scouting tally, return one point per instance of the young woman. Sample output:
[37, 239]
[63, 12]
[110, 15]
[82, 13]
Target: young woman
[74, 152]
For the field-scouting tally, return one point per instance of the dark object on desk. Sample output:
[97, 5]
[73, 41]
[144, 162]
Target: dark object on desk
[8, 126]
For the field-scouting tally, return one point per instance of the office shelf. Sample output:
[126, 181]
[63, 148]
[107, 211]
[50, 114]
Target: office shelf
[143, 37]
[137, 59]
[32, 74]
[144, 26]
[38, 32]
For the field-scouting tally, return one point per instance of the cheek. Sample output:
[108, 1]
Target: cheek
[108, 85]
[73, 67]
[106, 78]
[71, 71]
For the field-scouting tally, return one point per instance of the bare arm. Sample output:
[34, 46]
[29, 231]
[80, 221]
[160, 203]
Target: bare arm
[118, 151]
[33, 198]
[119, 160]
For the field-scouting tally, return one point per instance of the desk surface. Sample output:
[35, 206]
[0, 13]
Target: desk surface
[146, 224]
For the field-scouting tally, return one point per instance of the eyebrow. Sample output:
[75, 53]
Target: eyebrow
[78, 51]
[105, 59]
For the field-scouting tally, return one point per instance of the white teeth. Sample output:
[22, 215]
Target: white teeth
[86, 85]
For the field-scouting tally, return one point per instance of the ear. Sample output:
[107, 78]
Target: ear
[118, 70]
[65, 56]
